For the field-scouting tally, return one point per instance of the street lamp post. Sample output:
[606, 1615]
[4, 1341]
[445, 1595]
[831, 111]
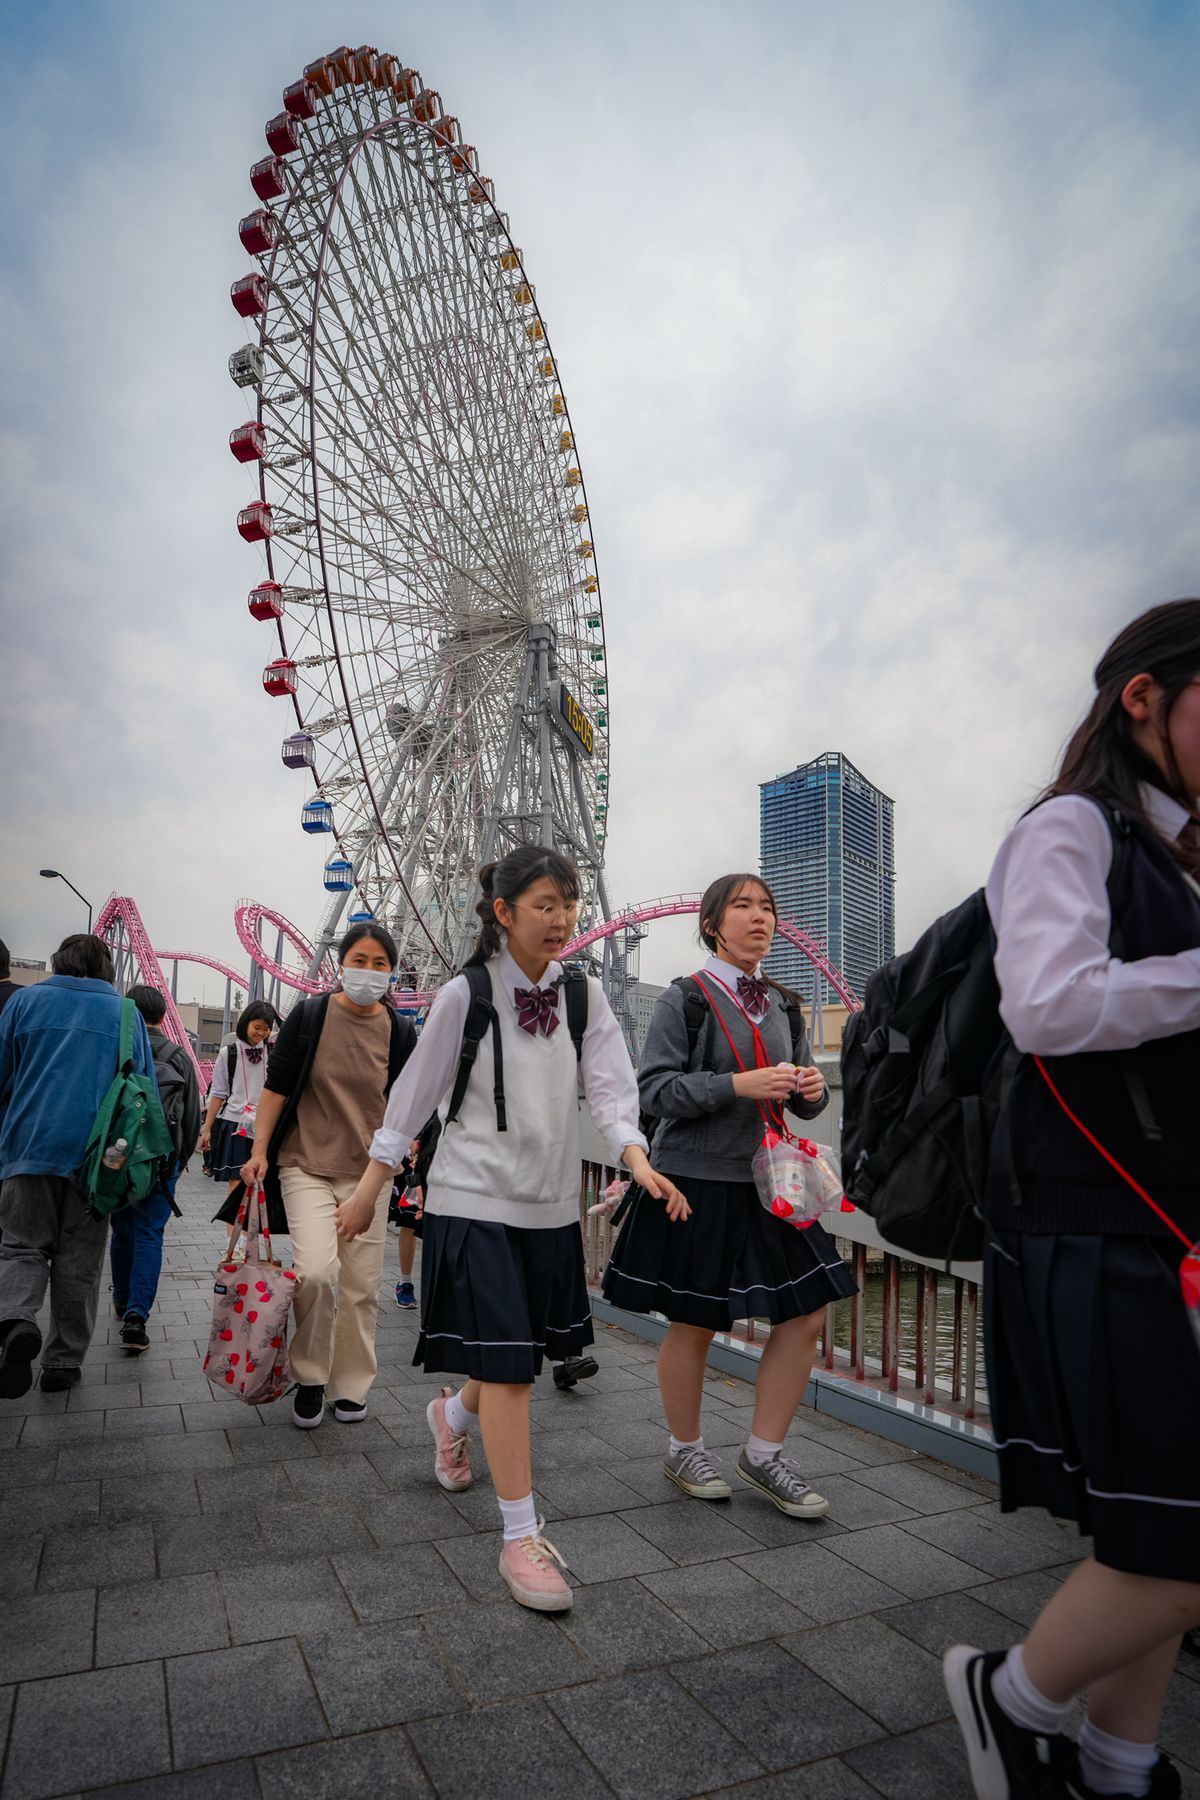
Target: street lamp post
[57, 874]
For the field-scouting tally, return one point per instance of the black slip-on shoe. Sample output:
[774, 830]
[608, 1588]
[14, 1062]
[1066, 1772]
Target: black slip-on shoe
[575, 1368]
[20, 1341]
[57, 1381]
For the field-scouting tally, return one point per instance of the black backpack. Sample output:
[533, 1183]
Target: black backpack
[481, 1018]
[697, 1018]
[926, 1066]
[178, 1091]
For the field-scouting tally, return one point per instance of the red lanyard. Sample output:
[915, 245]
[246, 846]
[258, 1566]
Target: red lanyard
[773, 1116]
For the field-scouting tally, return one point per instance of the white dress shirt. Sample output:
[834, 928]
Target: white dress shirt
[609, 1082]
[1060, 990]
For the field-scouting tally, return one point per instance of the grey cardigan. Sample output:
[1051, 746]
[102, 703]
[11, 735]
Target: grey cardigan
[705, 1129]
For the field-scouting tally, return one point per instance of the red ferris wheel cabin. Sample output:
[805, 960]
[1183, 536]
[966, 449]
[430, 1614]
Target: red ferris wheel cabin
[258, 231]
[255, 522]
[266, 178]
[279, 677]
[266, 601]
[248, 442]
[249, 295]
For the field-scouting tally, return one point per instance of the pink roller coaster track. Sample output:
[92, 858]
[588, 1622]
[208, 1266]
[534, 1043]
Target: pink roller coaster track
[121, 913]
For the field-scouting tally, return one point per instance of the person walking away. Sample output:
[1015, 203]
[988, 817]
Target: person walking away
[136, 1245]
[502, 1278]
[1093, 1371]
[8, 987]
[732, 1260]
[58, 1054]
[333, 1066]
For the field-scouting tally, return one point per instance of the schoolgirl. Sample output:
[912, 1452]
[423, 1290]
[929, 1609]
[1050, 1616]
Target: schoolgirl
[502, 1279]
[732, 1259]
[237, 1083]
[1093, 1371]
[333, 1065]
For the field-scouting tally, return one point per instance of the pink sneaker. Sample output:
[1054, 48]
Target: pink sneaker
[528, 1567]
[452, 1463]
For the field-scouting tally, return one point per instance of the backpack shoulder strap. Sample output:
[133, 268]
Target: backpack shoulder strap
[696, 1015]
[125, 1039]
[575, 988]
[481, 1017]
[231, 1063]
[1120, 876]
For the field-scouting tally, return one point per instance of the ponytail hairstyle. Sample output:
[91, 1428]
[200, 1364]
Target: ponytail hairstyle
[1102, 760]
[714, 903]
[507, 880]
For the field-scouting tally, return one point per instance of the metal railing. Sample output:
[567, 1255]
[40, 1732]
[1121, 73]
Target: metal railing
[914, 1328]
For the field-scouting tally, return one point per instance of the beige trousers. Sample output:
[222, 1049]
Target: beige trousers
[337, 1299]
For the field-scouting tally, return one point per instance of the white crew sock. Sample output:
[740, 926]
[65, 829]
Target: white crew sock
[459, 1418]
[520, 1518]
[1113, 1765]
[1024, 1704]
[758, 1451]
[678, 1444]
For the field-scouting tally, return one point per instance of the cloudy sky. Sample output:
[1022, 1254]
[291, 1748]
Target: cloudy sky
[878, 326]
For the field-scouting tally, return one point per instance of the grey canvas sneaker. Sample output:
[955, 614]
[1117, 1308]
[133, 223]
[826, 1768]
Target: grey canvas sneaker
[783, 1484]
[697, 1474]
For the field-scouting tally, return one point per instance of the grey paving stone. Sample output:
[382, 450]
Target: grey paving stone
[689, 1534]
[924, 1763]
[650, 1740]
[91, 1396]
[21, 1469]
[170, 1496]
[361, 1768]
[644, 1474]
[580, 1493]
[502, 1651]
[97, 1555]
[605, 1549]
[60, 1427]
[569, 1448]
[362, 1437]
[986, 1543]
[830, 1780]
[621, 1625]
[771, 1529]
[189, 1546]
[640, 1437]
[415, 1517]
[724, 1604]
[217, 1691]
[301, 1528]
[344, 1478]
[66, 1503]
[275, 1443]
[478, 1754]
[283, 1599]
[1022, 1597]
[220, 1781]
[396, 1583]
[1179, 1734]
[855, 1507]
[863, 1446]
[952, 1619]
[143, 1422]
[47, 1634]
[820, 1584]
[139, 1620]
[187, 1453]
[903, 1561]
[920, 1486]
[63, 1735]
[19, 1559]
[223, 1415]
[779, 1709]
[887, 1675]
[101, 1459]
[1031, 1522]
[376, 1675]
[474, 1560]
[239, 1491]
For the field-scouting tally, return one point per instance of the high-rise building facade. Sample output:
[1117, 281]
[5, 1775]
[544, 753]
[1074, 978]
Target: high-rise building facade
[827, 849]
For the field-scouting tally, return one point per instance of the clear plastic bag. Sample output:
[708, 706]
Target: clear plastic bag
[796, 1181]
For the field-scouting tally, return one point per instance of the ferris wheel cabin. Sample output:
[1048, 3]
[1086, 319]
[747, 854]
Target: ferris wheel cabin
[258, 231]
[266, 601]
[255, 522]
[279, 677]
[316, 816]
[248, 442]
[247, 366]
[282, 135]
[266, 178]
[299, 751]
[339, 876]
[249, 296]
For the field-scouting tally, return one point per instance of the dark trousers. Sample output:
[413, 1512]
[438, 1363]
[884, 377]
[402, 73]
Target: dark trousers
[48, 1237]
[136, 1251]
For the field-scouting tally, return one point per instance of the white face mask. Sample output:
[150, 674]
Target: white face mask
[364, 985]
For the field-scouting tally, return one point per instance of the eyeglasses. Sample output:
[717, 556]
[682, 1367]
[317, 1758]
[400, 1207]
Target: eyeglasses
[565, 909]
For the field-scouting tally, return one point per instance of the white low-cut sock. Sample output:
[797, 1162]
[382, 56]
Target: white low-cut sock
[1112, 1765]
[758, 1451]
[678, 1444]
[520, 1518]
[459, 1418]
[1024, 1704]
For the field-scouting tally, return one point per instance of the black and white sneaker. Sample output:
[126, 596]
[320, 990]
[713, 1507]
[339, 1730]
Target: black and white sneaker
[1166, 1783]
[1007, 1762]
[308, 1407]
[133, 1334]
[349, 1412]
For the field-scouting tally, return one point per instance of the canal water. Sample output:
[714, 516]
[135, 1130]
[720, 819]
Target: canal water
[944, 1350]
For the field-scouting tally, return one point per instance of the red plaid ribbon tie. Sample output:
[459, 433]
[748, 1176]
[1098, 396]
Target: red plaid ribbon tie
[537, 1009]
[753, 992]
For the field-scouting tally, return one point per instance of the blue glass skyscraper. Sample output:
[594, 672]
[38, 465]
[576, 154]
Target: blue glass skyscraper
[827, 849]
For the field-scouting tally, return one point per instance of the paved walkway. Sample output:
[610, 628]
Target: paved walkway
[202, 1601]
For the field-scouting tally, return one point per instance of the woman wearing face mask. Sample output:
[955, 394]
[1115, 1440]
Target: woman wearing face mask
[332, 1068]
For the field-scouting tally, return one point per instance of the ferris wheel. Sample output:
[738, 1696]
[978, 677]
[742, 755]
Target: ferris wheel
[430, 571]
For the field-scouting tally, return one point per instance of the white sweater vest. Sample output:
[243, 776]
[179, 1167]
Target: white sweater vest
[529, 1175]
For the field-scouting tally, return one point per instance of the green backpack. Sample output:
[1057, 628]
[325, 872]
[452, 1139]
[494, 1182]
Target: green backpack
[131, 1109]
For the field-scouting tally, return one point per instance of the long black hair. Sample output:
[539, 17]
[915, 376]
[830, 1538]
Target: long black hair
[257, 1011]
[369, 929]
[1102, 759]
[714, 902]
[507, 880]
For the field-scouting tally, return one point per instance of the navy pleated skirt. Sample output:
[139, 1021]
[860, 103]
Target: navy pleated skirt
[496, 1299]
[1094, 1378]
[229, 1151]
[730, 1260]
